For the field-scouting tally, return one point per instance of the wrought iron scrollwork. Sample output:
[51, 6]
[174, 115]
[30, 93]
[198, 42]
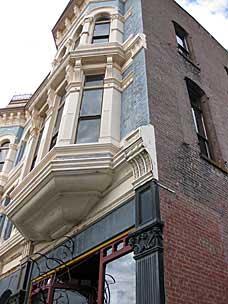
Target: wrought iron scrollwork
[58, 257]
[107, 293]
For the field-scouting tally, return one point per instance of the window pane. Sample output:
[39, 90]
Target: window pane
[3, 154]
[101, 29]
[91, 102]
[58, 120]
[120, 281]
[200, 123]
[8, 230]
[180, 41]
[64, 296]
[95, 80]
[204, 148]
[5, 145]
[2, 219]
[6, 201]
[88, 131]
[100, 40]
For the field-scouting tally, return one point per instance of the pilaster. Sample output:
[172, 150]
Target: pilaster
[110, 118]
[53, 102]
[147, 243]
[117, 28]
[31, 145]
[86, 31]
[71, 110]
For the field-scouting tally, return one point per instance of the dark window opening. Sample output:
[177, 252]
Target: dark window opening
[91, 107]
[101, 31]
[57, 124]
[2, 221]
[8, 230]
[37, 149]
[196, 95]
[3, 153]
[98, 279]
[182, 39]
[226, 69]
[6, 227]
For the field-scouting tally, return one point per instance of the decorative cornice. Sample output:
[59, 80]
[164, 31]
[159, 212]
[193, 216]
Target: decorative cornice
[147, 240]
[13, 118]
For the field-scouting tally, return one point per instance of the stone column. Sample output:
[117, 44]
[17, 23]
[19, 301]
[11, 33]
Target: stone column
[86, 31]
[147, 243]
[53, 103]
[31, 144]
[117, 28]
[111, 108]
[68, 125]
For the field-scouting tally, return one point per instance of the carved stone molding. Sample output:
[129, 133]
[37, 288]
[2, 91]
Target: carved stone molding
[118, 17]
[140, 160]
[147, 240]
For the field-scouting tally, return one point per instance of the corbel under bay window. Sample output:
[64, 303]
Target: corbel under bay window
[89, 121]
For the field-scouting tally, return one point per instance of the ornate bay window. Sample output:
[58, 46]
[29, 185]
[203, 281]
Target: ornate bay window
[91, 109]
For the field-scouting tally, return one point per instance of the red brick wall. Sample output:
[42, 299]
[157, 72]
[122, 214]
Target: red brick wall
[196, 215]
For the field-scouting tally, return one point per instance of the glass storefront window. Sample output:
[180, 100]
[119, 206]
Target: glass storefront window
[64, 296]
[120, 281]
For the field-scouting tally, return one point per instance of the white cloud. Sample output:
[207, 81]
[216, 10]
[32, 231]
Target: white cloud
[212, 15]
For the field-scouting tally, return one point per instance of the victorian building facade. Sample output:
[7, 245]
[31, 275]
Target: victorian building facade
[113, 173]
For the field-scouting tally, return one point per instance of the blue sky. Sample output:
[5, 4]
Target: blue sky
[212, 15]
[28, 48]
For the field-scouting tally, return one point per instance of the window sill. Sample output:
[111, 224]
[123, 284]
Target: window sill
[214, 163]
[189, 60]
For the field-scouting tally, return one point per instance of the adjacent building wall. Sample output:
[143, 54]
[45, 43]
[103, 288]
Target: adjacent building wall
[195, 207]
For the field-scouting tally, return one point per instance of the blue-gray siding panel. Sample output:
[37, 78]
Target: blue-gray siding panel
[134, 24]
[134, 107]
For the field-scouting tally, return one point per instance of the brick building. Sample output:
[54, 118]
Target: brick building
[114, 172]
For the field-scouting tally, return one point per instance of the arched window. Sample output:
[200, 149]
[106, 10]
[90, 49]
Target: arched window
[196, 95]
[3, 153]
[101, 30]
